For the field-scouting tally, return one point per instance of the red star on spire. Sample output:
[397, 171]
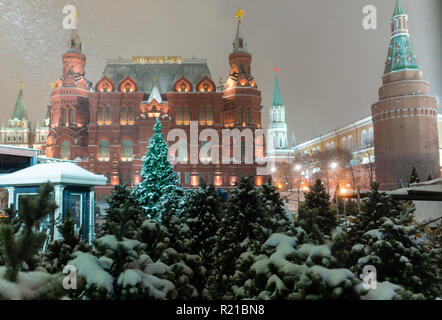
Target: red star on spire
[276, 69]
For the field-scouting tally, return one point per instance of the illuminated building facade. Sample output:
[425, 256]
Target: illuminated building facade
[106, 127]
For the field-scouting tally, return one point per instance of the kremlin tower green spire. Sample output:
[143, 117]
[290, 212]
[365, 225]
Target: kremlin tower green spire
[398, 9]
[278, 126]
[20, 106]
[277, 101]
[400, 52]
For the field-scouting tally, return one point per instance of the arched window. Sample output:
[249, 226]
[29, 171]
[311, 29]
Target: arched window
[370, 136]
[65, 150]
[123, 116]
[179, 119]
[127, 152]
[103, 151]
[344, 143]
[131, 115]
[71, 117]
[108, 115]
[63, 116]
[364, 138]
[209, 115]
[100, 116]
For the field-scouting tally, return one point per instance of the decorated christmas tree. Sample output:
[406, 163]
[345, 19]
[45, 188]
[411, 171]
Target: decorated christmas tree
[158, 177]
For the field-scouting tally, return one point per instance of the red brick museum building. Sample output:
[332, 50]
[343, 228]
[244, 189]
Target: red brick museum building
[106, 127]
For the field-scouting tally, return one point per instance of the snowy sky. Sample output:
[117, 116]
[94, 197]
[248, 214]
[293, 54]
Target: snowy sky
[330, 68]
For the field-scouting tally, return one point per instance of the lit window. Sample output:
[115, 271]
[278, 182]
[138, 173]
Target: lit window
[71, 117]
[131, 115]
[179, 115]
[123, 116]
[108, 115]
[100, 116]
[127, 151]
[103, 151]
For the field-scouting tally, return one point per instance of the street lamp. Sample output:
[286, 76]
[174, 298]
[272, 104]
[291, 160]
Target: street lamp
[334, 165]
[298, 167]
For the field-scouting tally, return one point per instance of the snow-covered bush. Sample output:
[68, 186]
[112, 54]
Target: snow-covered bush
[286, 268]
[383, 237]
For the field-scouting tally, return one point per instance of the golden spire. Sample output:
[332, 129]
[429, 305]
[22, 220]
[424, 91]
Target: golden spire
[21, 84]
[239, 14]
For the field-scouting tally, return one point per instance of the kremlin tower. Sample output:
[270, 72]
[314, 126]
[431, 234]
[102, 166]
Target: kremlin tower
[68, 136]
[405, 117]
[278, 146]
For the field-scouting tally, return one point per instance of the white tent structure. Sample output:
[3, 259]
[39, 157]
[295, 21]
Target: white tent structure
[425, 210]
[74, 187]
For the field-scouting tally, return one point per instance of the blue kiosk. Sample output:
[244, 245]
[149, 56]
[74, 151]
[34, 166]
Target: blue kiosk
[74, 187]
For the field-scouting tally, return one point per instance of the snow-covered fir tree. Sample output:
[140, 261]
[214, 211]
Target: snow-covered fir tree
[201, 216]
[315, 215]
[286, 267]
[383, 237]
[245, 225]
[21, 244]
[157, 175]
[60, 251]
[124, 214]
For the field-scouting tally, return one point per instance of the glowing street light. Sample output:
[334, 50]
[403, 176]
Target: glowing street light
[334, 165]
[298, 167]
[273, 169]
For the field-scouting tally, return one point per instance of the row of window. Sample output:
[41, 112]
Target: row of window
[126, 150]
[103, 150]
[205, 151]
[64, 117]
[367, 140]
[205, 115]
[104, 115]
[184, 178]
[15, 137]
